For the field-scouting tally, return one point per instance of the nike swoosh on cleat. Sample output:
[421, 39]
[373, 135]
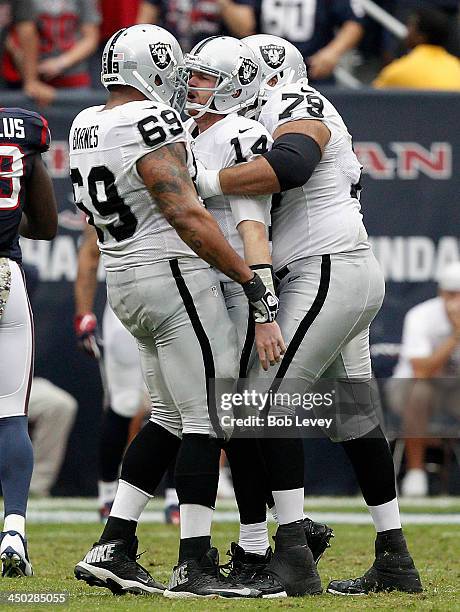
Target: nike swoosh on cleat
[142, 580]
[244, 592]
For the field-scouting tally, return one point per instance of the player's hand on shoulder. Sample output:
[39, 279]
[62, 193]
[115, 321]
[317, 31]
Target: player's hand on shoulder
[270, 344]
[86, 332]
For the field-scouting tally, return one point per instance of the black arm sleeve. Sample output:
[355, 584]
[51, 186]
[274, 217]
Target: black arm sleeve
[293, 158]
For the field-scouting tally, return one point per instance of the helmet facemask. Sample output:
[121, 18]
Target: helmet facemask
[253, 110]
[179, 82]
[223, 89]
[232, 90]
[223, 83]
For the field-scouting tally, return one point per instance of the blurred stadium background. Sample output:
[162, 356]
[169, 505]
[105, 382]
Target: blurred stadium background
[409, 144]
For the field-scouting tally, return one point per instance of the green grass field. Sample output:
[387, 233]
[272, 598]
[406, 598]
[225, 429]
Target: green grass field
[56, 548]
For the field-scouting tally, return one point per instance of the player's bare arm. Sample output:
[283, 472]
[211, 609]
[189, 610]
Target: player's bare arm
[259, 176]
[256, 177]
[39, 219]
[309, 127]
[165, 174]
[86, 281]
[85, 321]
[269, 340]
[254, 237]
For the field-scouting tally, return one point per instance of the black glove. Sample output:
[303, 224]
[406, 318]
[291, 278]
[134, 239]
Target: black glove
[264, 302]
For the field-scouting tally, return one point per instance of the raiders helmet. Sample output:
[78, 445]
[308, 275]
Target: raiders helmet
[148, 58]
[277, 58]
[237, 71]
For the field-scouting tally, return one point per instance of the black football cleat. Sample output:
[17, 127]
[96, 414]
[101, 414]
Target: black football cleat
[292, 564]
[249, 569]
[318, 537]
[113, 565]
[202, 578]
[243, 565]
[392, 570]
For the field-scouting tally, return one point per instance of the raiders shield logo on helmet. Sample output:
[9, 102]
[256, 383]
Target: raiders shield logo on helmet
[161, 55]
[273, 55]
[248, 71]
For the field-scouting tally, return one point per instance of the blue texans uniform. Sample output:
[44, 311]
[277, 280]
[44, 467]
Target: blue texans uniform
[23, 134]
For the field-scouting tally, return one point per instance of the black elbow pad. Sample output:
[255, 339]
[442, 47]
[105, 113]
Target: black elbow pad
[293, 158]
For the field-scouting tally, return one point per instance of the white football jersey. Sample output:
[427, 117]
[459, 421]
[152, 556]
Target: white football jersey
[323, 216]
[104, 148]
[232, 140]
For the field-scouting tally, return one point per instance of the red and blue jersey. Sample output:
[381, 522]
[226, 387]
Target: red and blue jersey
[23, 134]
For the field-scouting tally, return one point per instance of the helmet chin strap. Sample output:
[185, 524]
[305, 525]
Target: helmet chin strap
[202, 110]
[206, 108]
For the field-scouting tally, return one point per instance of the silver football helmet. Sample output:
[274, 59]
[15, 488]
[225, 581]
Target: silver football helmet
[148, 58]
[277, 58]
[236, 69]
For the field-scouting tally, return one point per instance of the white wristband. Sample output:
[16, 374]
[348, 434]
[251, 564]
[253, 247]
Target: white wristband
[208, 183]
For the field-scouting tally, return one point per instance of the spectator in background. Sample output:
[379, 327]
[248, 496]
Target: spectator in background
[113, 20]
[20, 16]
[402, 9]
[430, 353]
[51, 416]
[428, 65]
[322, 31]
[68, 33]
[192, 20]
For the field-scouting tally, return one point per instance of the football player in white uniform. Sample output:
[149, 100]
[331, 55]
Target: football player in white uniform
[331, 288]
[130, 166]
[223, 138]
[125, 393]
[225, 78]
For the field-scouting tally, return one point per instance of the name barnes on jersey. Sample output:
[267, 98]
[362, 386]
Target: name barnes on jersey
[85, 137]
